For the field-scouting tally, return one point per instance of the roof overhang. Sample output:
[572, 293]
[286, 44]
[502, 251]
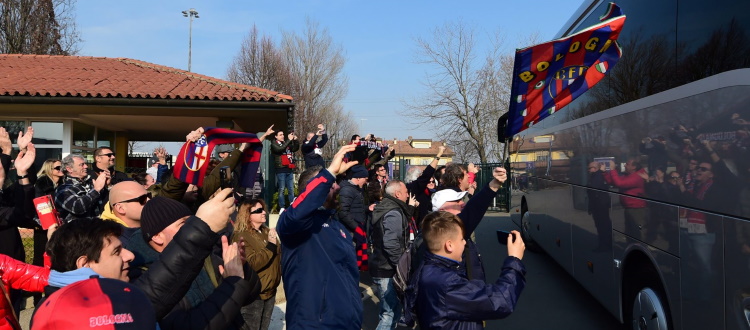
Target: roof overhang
[150, 119]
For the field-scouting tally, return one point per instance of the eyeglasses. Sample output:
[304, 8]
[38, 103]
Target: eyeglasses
[57, 168]
[111, 154]
[704, 169]
[142, 199]
[257, 211]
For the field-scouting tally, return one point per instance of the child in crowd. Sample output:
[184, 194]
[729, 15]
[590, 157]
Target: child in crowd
[445, 297]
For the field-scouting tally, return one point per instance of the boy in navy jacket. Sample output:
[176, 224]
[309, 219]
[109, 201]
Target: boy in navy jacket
[445, 297]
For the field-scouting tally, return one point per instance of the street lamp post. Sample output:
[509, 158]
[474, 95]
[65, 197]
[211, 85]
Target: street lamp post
[190, 13]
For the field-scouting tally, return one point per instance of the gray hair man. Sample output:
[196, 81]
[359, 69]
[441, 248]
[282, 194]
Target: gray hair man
[79, 196]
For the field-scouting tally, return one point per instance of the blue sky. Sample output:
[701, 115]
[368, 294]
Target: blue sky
[377, 38]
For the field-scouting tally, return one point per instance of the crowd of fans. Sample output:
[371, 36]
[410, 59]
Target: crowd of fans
[152, 251]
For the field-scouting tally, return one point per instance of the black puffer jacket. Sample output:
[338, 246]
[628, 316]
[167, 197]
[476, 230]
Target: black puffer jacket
[204, 305]
[351, 205]
[167, 281]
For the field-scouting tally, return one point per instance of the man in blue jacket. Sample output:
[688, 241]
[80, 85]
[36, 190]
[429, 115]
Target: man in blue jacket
[318, 263]
[447, 298]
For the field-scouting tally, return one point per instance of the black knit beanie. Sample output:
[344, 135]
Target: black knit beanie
[159, 213]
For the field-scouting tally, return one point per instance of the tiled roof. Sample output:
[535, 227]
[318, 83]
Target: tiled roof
[403, 148]
[102, 77]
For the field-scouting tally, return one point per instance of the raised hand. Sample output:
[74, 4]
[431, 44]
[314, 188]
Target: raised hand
[25, 159]
[473, 168]
[160, 152]
[25, 139]
[194, 135]
[216, 211]
[5, 143]
[2, 175]
[272, 236]
[337, 165]
[269, 132]
[232, 259]
[441, 150]
[413, 200]
[101, 180]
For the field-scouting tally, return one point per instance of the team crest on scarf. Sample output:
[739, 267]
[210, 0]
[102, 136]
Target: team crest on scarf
[200, 155]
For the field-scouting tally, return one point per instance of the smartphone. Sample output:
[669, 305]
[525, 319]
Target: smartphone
[225, 175]
[502, 237]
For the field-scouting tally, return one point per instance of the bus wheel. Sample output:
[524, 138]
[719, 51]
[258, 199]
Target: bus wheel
[649, 310]
[527, 240]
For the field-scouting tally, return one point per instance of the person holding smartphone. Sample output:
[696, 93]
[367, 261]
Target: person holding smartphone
[445, 297]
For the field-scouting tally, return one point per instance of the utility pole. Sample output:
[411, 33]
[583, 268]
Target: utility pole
[190, 13]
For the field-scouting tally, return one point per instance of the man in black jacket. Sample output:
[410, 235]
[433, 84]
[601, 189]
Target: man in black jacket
[104, 161]
[351, 198]
[88, 247]
[283, 156]
[311, 148]
[221, 288]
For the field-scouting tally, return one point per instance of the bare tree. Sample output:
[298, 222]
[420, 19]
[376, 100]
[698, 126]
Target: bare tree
[317, 65]
[465, 96]
[309, 67]
[38, 27]
[260, 63]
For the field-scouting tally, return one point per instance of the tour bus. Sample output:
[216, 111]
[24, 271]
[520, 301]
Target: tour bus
[640, 188]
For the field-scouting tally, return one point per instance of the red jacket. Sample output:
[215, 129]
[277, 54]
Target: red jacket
[629, 184]
[21, 276]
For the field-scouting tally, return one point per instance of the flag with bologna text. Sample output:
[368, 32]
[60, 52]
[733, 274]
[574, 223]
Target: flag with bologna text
[192, 161]
[548, 76]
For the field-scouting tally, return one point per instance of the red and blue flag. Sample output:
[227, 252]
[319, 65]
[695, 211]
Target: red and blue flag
[548, 76]
[192, 161]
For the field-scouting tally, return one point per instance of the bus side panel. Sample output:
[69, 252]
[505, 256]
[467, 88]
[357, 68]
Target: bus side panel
[551, 233]
[592, 251]
[702, 269]
[737, 270]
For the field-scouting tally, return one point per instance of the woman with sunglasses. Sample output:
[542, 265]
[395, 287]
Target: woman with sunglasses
[48, 177]
[263, 253]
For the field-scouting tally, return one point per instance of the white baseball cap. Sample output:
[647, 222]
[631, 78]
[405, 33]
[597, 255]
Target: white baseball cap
[446, 195]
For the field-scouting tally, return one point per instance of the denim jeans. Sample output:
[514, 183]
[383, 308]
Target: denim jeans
[285, 180]
[390, 306]
[257, 315]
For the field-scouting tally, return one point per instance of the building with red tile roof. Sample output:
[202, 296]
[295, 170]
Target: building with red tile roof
[77, 103]
[420, 151]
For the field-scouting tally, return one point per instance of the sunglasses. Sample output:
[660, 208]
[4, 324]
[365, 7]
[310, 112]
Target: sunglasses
[257, 211]
[142, 199]
[57, 168]
[111, 154]
[675, 178]
[704, 169]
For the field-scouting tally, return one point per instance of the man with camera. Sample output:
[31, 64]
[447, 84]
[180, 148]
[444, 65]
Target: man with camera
[283, 156]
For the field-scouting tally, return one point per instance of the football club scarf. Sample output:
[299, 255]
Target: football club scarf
[193, 159]
[548, 76]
